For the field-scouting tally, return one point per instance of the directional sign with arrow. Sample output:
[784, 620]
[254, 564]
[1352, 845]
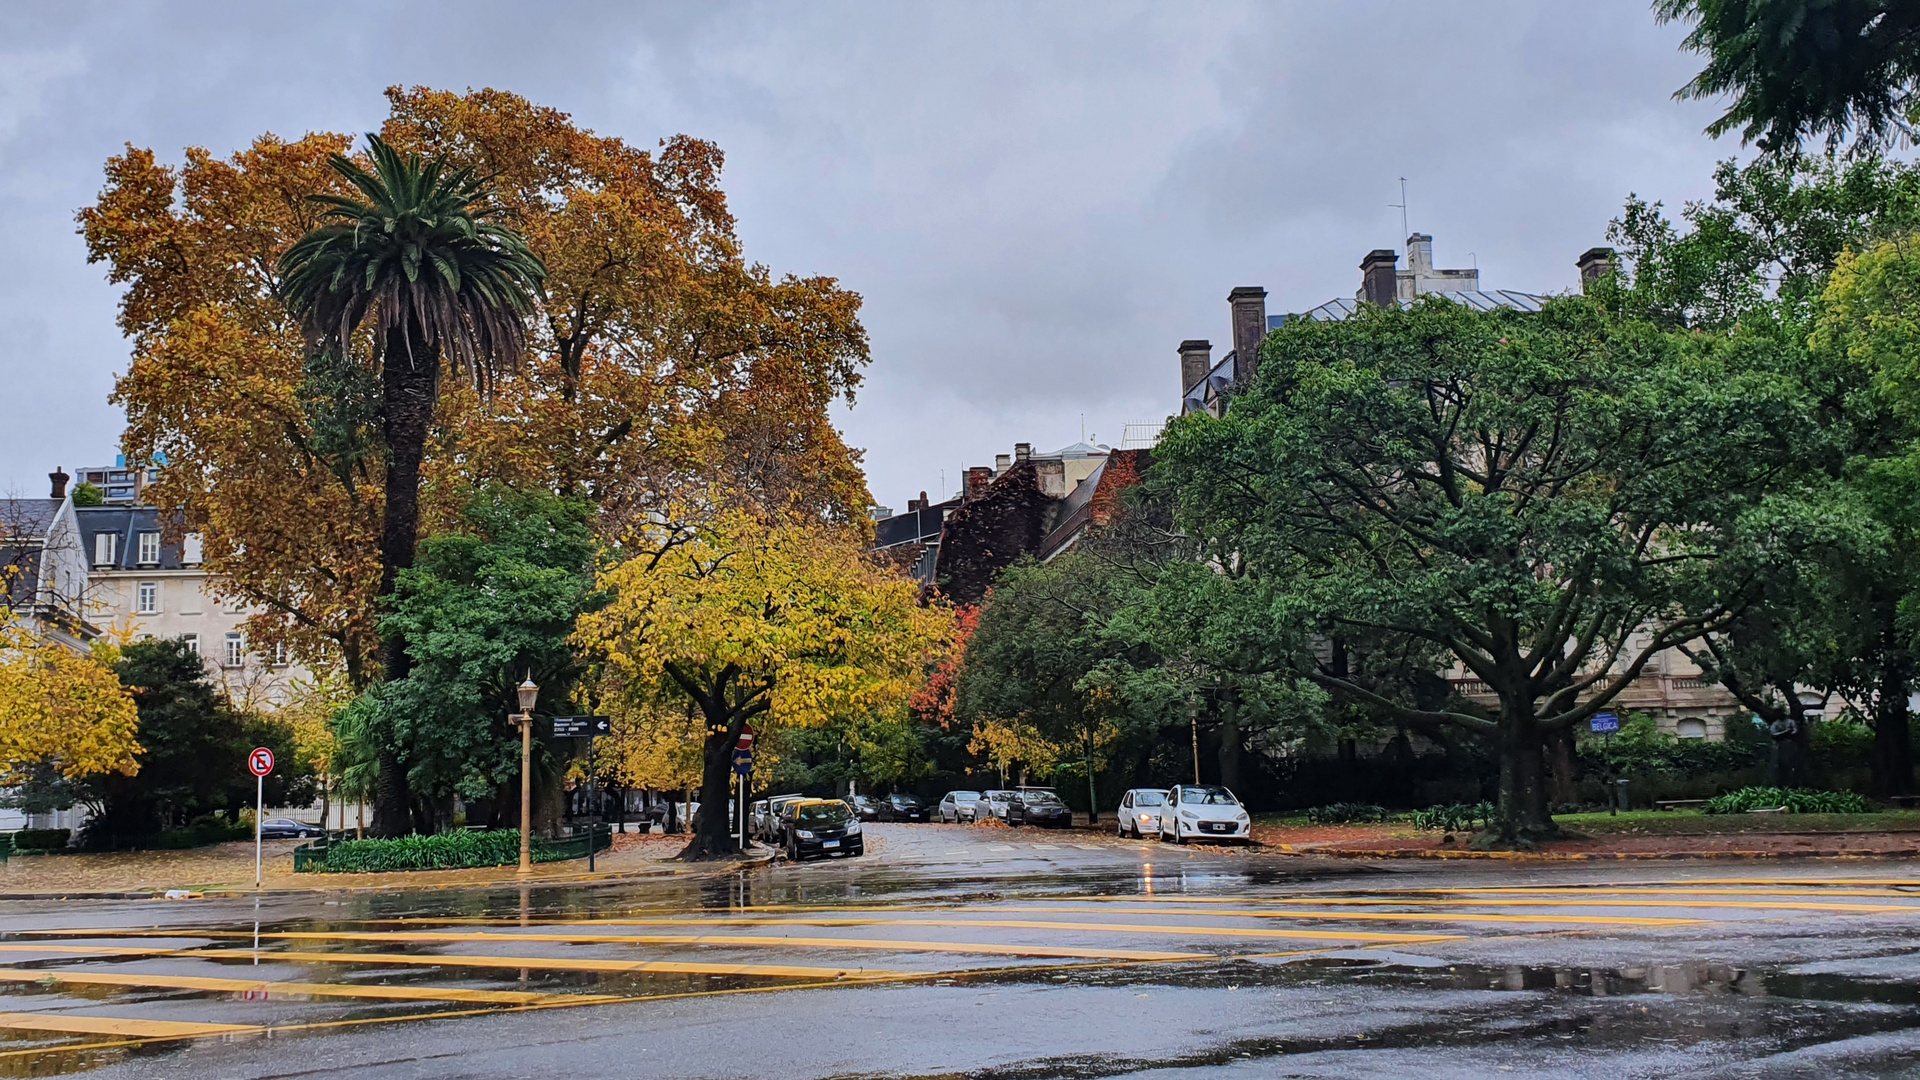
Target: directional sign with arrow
[582, 727]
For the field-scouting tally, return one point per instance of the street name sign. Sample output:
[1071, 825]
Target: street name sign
[1604, 723]
[582, 727]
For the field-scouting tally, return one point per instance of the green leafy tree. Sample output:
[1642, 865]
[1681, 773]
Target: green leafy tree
[442, 281]
[195, 750]
[1550, 500]
[480, 610]
[1802, 69]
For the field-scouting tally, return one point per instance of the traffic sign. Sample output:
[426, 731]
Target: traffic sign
[746, 738]
[582, 727]
[743, 761]
[260, 762]
[1604, 723]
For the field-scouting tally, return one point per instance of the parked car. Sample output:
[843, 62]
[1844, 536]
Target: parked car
[902, 808]
[958, 807]
[280, 828]
[994, 803]
[1140, 811]
[1039, 806]
[822, 827]
[772, 822]
[1203, 812]
[865, 807]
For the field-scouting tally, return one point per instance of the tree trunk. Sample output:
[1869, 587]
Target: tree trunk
[1565, 789]
[1230, 741]
[1093, 791]
[713, 835]
[409, 386]
[1524, 818]
[1892, 771]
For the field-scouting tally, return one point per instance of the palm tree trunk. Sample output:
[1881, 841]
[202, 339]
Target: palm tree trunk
[410, 385]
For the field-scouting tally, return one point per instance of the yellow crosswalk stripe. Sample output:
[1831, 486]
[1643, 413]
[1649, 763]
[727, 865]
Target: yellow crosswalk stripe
[880, 944]
[1732, 905]
[1052, 924]
[1402, 916]
[554, 963]
[287, 989]
[75, 1024]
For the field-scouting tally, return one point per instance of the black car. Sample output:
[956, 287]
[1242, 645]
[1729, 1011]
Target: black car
[824, 827]
[902, 808]
[279, 828]
[1042, 808]
[865, 808]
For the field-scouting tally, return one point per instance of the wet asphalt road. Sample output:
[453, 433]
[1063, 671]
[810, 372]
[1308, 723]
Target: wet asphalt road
[1000, 955]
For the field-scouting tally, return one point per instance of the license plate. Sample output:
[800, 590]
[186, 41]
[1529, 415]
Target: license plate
[1217, 828]
[829, 843]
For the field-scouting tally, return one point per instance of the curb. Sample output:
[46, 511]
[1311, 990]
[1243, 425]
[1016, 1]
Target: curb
[1589, 856]
[332, 883]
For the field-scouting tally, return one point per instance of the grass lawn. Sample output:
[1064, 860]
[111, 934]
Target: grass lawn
[1695, 823]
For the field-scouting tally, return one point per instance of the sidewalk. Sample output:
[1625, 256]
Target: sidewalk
[223, 868]
[1675, 837]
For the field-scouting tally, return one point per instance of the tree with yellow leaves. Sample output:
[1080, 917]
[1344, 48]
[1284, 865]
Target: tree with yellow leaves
[780, 624]
[62, 709]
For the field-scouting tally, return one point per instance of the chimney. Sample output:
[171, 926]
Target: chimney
[1022, 452]
[923, 501]
[1196, 357]
[978, 477]
[913, 505]
[1595, 264]
[59, 477]
[1001, 463]
[1420, 254]
[1378, 273]
[1249, 304]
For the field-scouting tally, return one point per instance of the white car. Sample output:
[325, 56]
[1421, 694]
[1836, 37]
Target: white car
[960, 806]
[1140, 810]
[1204, 812]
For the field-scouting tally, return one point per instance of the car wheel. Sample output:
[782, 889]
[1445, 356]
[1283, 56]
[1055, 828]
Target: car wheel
[1178, 836]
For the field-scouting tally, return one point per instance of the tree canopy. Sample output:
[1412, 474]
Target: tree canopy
[782, 625]
[1548, 500]
[64, 711]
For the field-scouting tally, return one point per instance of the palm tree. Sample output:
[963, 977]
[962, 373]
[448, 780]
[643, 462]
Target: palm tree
[441, 281]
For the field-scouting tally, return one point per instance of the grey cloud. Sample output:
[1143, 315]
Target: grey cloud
[1038, 201]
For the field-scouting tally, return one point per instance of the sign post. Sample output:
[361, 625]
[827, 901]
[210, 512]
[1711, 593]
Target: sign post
[260, 763]
[1607, 723]
[588, 728]
[743, 765]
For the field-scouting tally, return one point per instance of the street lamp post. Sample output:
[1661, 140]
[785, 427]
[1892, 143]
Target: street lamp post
[529, 693]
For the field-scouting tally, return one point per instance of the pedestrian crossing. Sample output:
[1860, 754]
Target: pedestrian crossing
[105, 988]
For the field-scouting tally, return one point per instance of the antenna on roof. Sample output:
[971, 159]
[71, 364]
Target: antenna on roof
[1405, 229]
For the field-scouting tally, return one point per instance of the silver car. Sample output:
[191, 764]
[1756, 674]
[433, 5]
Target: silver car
[995, 802]
[1140, 812]
[960, 806]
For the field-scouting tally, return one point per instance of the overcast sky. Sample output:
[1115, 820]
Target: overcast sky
[1038, 201]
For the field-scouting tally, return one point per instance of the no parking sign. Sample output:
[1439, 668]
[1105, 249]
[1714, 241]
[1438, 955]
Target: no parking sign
[260, 761]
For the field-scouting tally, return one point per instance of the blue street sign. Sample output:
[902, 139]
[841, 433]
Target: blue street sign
[1605, 722]
[743, 761]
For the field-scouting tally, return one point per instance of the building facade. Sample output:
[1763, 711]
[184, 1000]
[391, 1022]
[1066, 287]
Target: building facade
[144, 585]
[43, 570]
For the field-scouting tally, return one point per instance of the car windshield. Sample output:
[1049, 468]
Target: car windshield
[1040, 798]
[1149, 798]
[999, 796]
[832, 813]
[906, 800]
[1207, 796]
[965, 796]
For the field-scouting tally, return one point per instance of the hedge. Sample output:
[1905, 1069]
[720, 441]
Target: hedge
[447, 851]
[41, 839]
[1344, 813]
[1796, 801]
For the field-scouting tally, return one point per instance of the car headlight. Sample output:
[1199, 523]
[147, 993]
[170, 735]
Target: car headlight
[803, 834]
[1242, 817]
[1186, 815]
[853, 828]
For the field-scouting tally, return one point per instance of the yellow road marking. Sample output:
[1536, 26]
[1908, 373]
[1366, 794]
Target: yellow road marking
[880, 944]
[1053, 924]
[87, 950]
[552, 963]
[1734, 905]
[1407, 916]
[74, 1024]
[300, 989]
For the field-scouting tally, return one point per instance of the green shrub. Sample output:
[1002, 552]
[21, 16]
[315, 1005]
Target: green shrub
[1796, 800]
[205, 830]
[1460, 817]
[447, 851]
[41, 839]
[1343, 813]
